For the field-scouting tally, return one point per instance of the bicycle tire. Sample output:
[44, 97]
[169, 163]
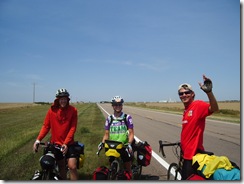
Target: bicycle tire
[173, 171]
[45, 175]
[114, 170]
[136, 170]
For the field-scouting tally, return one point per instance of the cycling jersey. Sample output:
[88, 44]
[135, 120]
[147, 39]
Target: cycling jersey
[118, 128]
[62, 122]
[193, 125]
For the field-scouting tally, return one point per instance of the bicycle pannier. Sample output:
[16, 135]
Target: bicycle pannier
[80, 161]
[144, 153]
[195, 177]
[223, 167]
[101, 173]
[79, 150]
[79, 147]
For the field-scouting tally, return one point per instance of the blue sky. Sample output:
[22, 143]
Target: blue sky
[141, 50]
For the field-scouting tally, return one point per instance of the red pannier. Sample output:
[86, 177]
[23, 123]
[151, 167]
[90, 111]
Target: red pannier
[144, 153]
[195, 177]
[101, 173]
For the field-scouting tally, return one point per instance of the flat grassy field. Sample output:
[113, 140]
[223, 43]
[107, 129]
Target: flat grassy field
[13, 105]
[222, 105]
[228, 111]
[20, 125]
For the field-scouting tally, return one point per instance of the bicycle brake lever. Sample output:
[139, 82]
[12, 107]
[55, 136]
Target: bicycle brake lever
[128, 153]
[160, 142]
[161, 148]
[99, 151]
[62, 148]
[37, 146]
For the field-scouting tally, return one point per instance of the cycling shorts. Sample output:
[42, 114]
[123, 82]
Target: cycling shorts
[70, 153]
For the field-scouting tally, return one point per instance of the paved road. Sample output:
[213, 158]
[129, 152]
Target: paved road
[222, 138]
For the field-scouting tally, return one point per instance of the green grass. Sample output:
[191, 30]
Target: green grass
[20, 127]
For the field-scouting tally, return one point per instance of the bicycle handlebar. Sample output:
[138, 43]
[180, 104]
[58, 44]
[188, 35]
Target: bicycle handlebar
[37, 145]
[48, 144]
[161, 146]
[99, 151]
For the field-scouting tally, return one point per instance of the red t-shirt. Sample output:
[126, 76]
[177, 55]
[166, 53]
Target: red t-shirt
[193, 125]
[62, 123]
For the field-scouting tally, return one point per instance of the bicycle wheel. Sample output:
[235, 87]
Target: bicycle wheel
[114, 170]
[173, 171]
[45, 175]
[136, 171]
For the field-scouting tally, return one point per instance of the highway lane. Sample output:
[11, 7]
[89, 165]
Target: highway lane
[222, 138]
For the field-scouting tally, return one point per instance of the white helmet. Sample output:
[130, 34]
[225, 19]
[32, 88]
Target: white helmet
[62, 92]
[117, 99]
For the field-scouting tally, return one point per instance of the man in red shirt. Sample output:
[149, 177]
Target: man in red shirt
[61, 119]
[193, 121]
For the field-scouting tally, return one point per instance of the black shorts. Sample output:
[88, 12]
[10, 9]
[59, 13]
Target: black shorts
[71, 153]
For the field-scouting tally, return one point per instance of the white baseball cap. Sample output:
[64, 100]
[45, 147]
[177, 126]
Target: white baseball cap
[185, 86]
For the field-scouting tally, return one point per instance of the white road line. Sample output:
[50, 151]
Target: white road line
[155, 155]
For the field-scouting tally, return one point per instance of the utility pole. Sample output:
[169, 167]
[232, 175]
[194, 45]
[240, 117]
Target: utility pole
[34, 91]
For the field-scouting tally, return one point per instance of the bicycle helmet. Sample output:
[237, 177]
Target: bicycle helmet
[117, 99]
[62, 92]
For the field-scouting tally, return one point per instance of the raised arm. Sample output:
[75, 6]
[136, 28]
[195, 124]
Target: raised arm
[207, 88]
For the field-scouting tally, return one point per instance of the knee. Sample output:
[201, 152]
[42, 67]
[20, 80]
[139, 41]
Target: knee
[72, 163]
[72, 167]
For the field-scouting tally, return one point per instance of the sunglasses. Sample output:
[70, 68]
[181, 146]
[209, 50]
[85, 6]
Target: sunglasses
[185, 92]
[117, 104]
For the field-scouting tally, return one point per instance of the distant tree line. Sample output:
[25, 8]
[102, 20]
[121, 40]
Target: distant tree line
[42, 103]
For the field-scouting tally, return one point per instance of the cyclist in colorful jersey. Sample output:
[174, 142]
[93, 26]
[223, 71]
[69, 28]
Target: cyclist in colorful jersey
[193, 121]
[61, 119]
[119, 128]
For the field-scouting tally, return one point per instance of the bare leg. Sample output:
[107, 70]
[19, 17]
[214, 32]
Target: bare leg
[73, 168]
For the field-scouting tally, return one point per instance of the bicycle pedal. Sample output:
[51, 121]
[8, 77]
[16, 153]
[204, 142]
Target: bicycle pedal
[37, 175]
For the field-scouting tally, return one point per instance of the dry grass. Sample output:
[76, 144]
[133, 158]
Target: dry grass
[228, 111]
[236, 106]
[14, 105]
[178, 105]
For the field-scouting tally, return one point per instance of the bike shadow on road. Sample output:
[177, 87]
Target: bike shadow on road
[148, 177]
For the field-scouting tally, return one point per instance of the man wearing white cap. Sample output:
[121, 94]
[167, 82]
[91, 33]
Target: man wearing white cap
[193, 121]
